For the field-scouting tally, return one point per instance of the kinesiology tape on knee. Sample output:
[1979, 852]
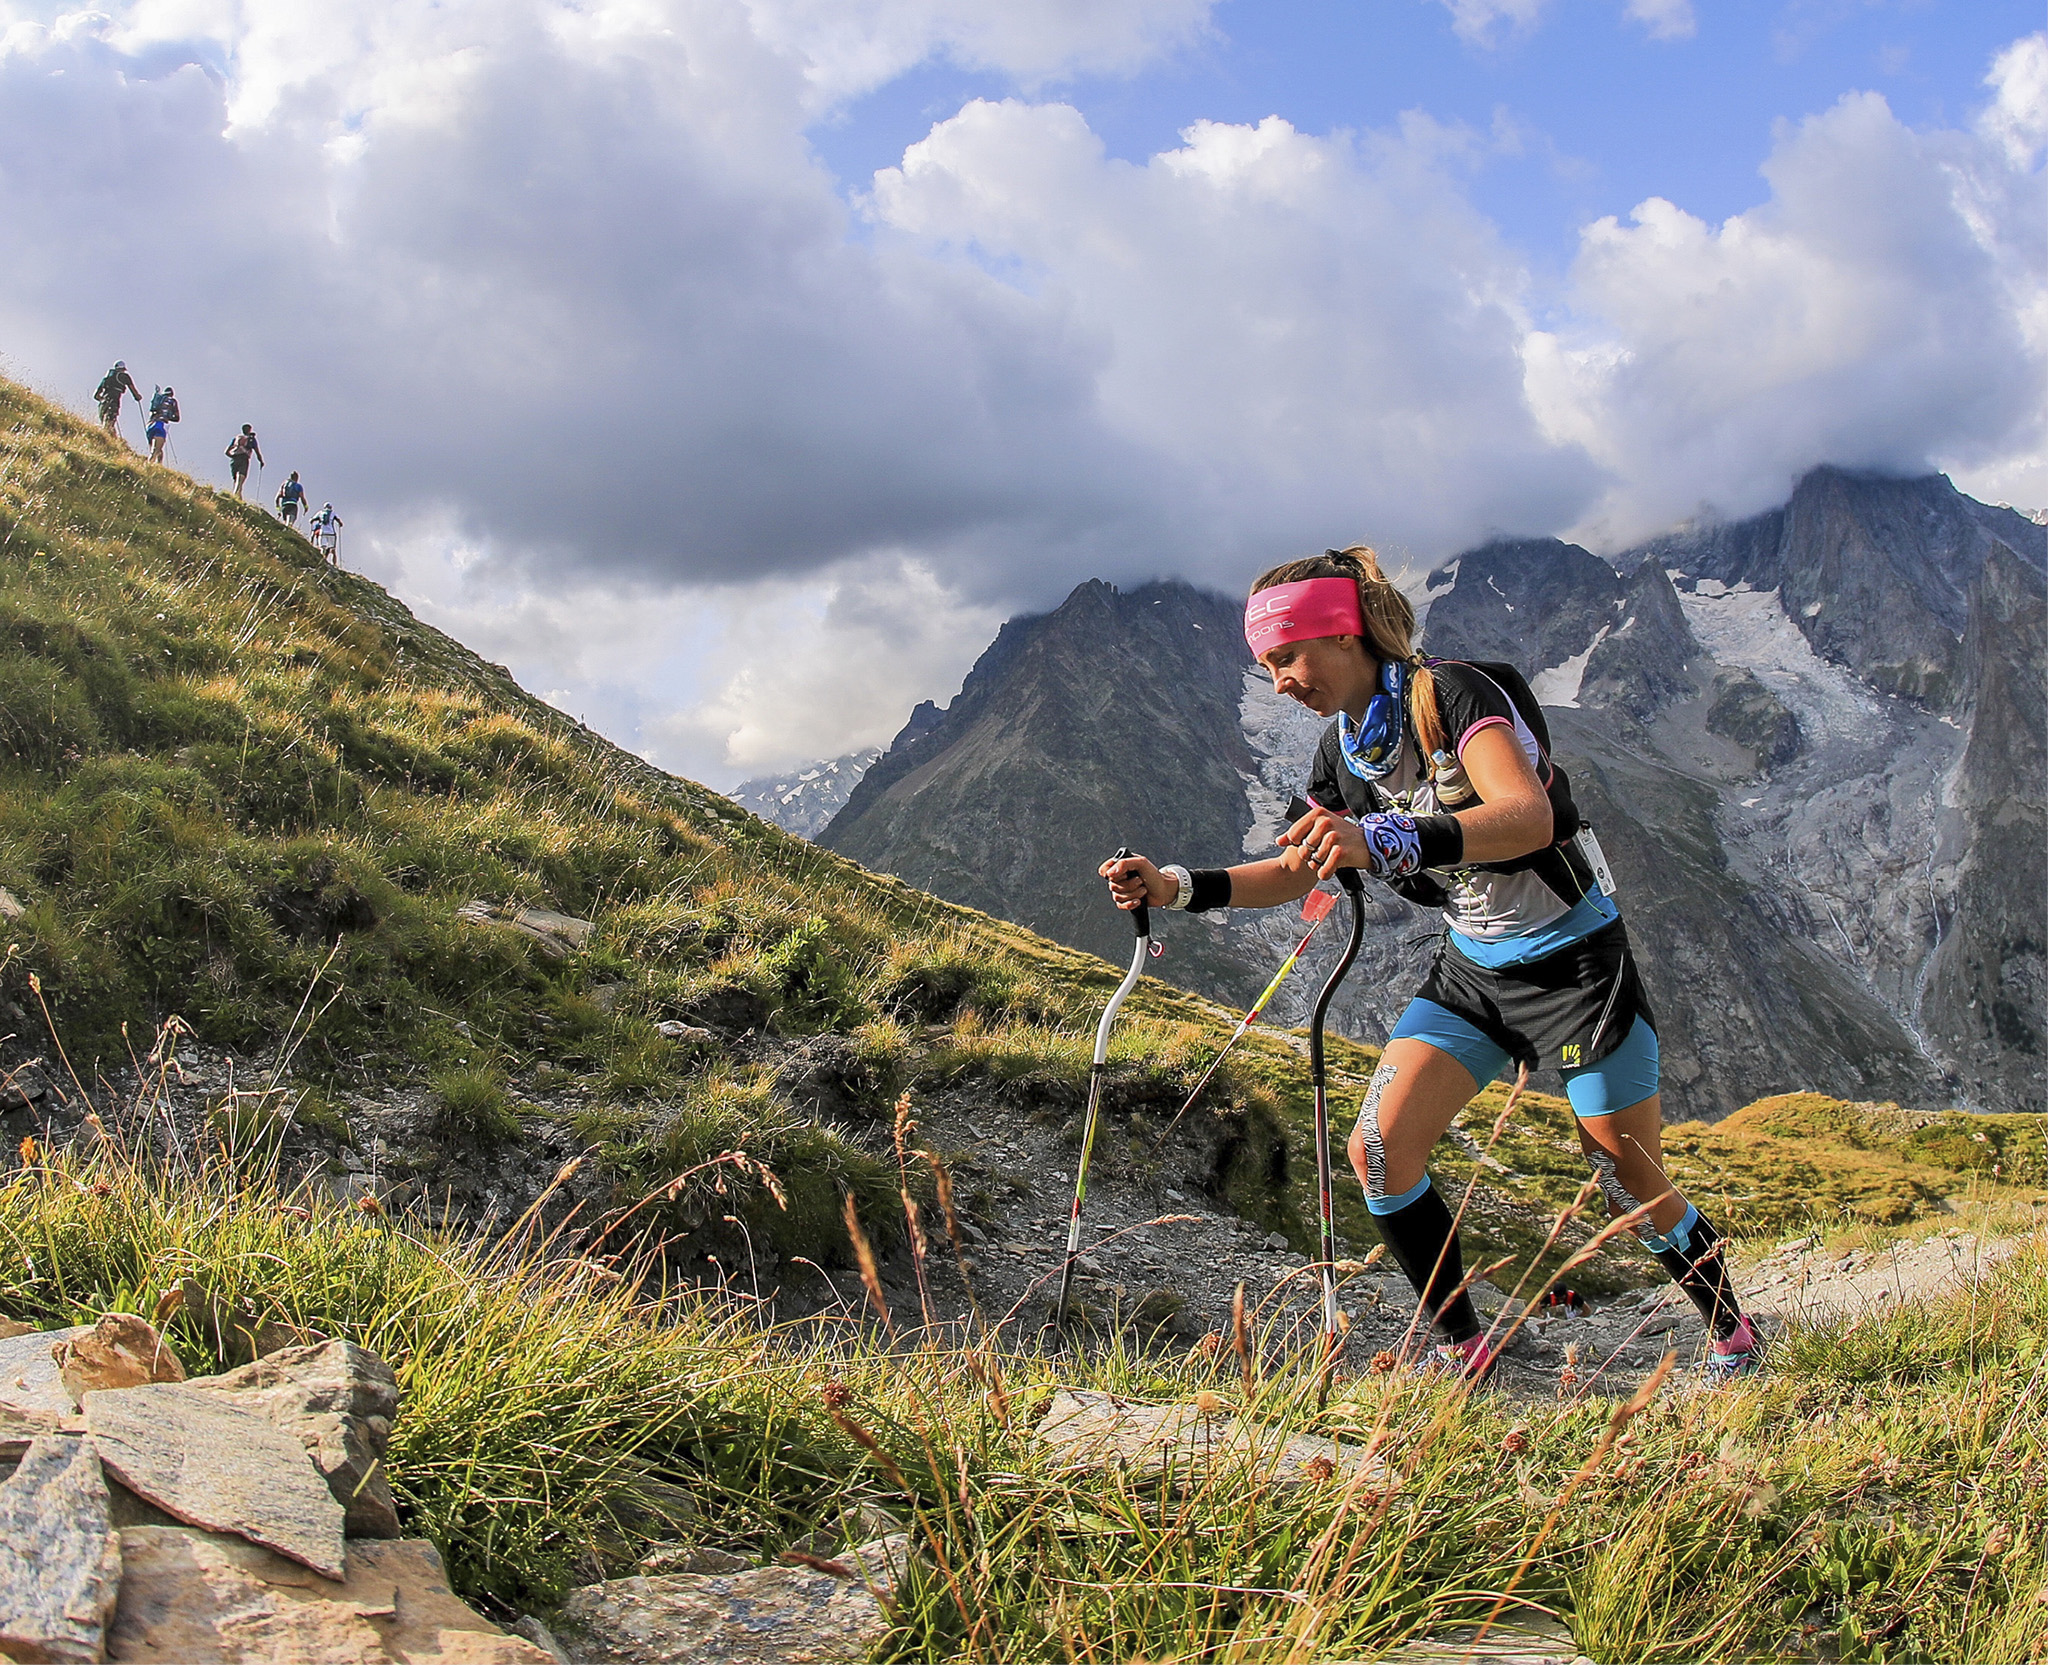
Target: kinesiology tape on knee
[1369, 1133]
[1619, 1197]
[1691, 1252]
[1425, 1244]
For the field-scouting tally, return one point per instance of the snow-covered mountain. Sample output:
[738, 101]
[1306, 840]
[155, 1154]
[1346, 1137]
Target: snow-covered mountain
[1812, 742]
[804, 799]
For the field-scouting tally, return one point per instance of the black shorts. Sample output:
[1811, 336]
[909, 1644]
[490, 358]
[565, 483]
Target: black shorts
[1567, 1010]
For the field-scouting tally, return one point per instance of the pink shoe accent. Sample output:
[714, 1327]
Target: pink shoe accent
[1742, 1341]
[1463, 1358]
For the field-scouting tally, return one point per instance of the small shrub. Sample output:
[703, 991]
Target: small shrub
[469, 1103]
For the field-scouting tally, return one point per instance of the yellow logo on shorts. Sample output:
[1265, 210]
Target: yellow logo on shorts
[1571, 1056]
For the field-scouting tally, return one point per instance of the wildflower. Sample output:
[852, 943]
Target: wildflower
[1515, 1442]
[1208, 1404]
[1997, 1541]
[837, 1396]
[367, 1204]
[1383, 1361]
[1319, 1469]
[1210, 1345]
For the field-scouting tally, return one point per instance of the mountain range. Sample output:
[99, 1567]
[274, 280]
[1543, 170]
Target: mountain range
[1812, 742]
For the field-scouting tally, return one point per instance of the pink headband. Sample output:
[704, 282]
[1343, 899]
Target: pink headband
[1296, 612]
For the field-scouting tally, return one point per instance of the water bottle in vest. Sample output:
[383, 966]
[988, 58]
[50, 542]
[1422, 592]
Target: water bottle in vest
[1452, 786]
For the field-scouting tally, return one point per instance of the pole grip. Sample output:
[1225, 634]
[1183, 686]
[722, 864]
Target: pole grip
[1141, 915]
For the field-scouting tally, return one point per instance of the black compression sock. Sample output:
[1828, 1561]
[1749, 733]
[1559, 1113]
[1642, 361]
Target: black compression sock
[1692, 1253]
[1419, 1233]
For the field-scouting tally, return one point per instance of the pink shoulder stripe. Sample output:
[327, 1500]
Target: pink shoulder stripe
[1484, 722]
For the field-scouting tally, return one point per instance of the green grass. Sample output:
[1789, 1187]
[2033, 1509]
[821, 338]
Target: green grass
[1874, 1497]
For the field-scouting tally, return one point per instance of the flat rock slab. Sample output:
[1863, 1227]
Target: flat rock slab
[31, 1377]
[197, 1598]
[338, 1400]
[764, 1616]
[19, 1429]
[60, 1563]
[1519, 1643]
[1089, 1431]
[208, 1462]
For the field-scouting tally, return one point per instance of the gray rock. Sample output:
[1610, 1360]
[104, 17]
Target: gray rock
[60, 1562]
[689, 1033]
[764, 1616]
[1087, 1432]
[19, 1428]
[30, 1376]
[556, 935]
[10, 906]
[211, 1463]
[339, 1400]
[198, 1598]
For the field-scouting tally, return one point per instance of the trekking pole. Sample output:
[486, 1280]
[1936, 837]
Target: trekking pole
[1315, 908]
[1141, 920]
[1354, 890]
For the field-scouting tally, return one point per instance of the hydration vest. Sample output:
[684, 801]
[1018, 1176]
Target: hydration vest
[1560, 865]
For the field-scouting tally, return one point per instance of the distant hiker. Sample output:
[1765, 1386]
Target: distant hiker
[240, 449]
[291, 498]
[325, 530]
[108, 394]
[1437, 777]
[163, 411]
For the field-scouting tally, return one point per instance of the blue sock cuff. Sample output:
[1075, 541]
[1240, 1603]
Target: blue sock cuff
[1394, 1205]
[1679, 1237]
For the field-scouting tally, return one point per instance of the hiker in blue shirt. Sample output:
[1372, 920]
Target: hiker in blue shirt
[163, 411]
[291, 497]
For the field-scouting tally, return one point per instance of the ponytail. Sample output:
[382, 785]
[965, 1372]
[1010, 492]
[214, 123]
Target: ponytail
[1389, 626]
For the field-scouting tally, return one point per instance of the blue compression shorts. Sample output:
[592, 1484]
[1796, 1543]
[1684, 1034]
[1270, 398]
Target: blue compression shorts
[1626, 1076]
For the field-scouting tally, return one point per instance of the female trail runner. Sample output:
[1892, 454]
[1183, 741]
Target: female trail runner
[1435, 776]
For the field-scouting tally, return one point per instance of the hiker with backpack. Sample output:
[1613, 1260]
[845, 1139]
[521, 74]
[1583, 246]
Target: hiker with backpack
[1436, 777]
[325, 531]
[240, 449]
[107, 395]
[163, 411]
[291, 498]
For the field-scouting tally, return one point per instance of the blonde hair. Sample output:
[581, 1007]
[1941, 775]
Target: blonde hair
[1389, 624]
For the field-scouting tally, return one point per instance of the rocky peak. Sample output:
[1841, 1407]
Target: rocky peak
[1111, 720]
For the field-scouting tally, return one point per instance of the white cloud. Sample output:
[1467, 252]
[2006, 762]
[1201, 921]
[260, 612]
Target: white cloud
[1316, 336]
[1486, 22]
[1664, 19]
[1882, 309]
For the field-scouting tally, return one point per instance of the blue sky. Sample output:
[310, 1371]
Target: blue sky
[1604, 114]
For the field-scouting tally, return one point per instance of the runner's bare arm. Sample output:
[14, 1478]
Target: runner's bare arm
[1255, 884]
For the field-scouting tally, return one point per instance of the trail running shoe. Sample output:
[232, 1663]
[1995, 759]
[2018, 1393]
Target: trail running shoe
[1460, 1358]
[1740, 1355]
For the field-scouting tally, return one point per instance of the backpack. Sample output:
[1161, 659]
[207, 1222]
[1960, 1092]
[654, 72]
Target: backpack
[292, 491]
[163, 408]
[109, 388]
